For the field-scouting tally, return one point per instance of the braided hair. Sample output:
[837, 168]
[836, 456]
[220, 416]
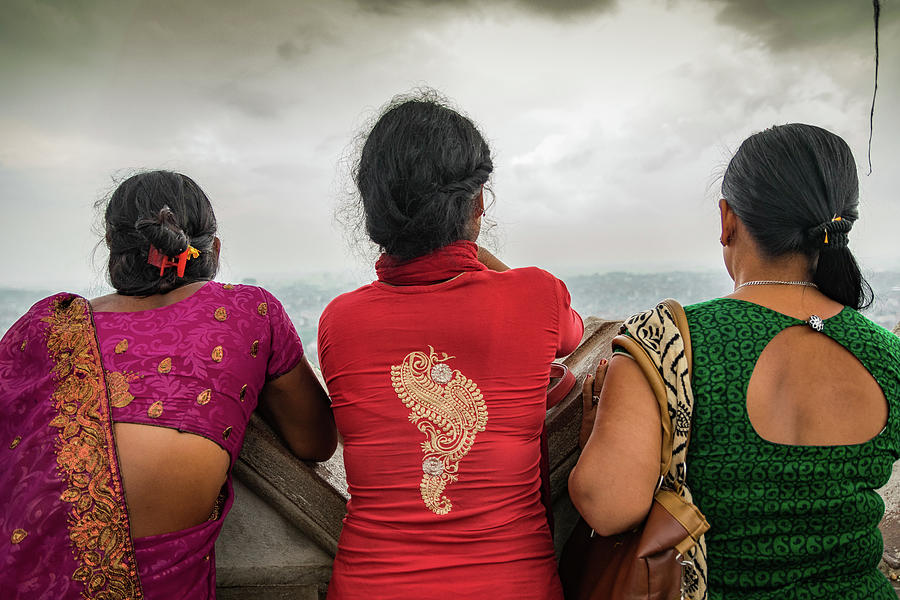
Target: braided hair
[421, 169]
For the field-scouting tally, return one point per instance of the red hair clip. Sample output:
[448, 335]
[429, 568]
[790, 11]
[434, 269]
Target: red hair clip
[158, 259]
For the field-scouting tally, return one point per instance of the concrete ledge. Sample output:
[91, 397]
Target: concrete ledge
[310, 496]
[259, 549]
[274, 592]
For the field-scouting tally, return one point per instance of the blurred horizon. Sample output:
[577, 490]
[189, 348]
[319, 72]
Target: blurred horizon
[613, 295]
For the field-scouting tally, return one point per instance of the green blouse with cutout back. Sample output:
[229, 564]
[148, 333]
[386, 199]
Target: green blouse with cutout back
[786, 521]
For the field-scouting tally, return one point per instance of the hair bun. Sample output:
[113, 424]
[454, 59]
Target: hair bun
[163, 231]
[830, 235]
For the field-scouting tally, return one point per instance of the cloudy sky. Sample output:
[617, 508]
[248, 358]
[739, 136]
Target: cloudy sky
[610, 121]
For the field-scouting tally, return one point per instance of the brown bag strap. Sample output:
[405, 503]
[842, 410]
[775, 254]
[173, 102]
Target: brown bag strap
[659, 341]
[684, 329]
[649, 368]
[690, 517]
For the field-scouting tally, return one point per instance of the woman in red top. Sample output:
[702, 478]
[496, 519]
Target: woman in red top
[438, 374]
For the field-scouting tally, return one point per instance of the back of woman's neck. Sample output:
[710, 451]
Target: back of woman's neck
[121, 303]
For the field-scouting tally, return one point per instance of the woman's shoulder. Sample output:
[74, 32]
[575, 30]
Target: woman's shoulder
[730, 310]
[713, 304]
[41, 309]
[350, 300]
[541, 287]
[530, 273]
[37, 317]
[526, 276]
[241, 292]
[864, 328]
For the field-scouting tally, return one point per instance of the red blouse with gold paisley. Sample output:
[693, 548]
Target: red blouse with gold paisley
[438, 374]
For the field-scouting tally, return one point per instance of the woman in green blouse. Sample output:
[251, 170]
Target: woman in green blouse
[797, 395]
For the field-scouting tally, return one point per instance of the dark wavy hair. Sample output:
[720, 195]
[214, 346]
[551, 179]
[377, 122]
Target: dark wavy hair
[796, 189]
[421, 167]
[168, 210]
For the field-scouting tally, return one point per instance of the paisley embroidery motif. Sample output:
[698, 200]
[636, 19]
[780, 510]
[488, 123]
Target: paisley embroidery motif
[165, 366]
[220, 314]
[122, 346]
[117, 384]
[18, 535]
[15, 442]
[85, 457]
[449, 409]
[155, 410]
[204, 397]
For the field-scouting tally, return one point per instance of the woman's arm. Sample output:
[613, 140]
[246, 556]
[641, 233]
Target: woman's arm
[612, 485]
[490, 261]
[297, 406]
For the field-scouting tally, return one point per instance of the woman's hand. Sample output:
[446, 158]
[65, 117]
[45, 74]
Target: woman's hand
[590, 397]
[490, 261]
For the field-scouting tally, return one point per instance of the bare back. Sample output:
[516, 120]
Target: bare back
[184, 372]
[809, 390]
[806, 389]
[172, 479]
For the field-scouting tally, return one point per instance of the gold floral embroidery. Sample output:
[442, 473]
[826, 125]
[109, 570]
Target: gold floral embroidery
[262, 309]
[15, 442]
[254, 348]
[221, 314]
[216, 511]
[22, 347]
[228, 286]
[226, 433]
[243, 391]
[165, 365]
[449, 409]
[122, 346]
[117, 382]
[204, 397]
[85, 456]
[155, 409]
[218, 353]
[18, 535]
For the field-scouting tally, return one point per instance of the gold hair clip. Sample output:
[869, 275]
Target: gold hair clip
[833, 219]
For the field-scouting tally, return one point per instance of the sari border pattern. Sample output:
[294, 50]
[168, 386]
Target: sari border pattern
[99, 531]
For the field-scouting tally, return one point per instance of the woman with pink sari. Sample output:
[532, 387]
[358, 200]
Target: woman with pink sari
[121, 417]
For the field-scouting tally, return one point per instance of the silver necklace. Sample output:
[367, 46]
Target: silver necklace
[774, 282]
[815, 321]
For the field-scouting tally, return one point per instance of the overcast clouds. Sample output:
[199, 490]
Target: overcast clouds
[609, 120]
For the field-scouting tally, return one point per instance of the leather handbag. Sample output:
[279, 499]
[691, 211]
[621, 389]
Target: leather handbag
[664, 557]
